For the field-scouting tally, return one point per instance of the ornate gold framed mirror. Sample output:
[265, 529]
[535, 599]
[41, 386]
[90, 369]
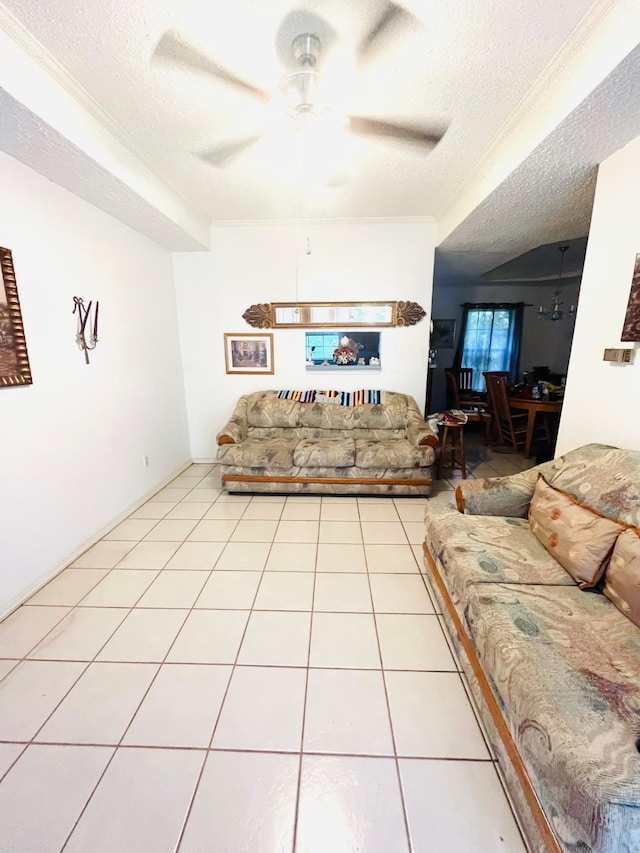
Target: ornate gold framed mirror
[330, 315]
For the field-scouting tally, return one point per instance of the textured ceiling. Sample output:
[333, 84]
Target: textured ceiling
[466, 65]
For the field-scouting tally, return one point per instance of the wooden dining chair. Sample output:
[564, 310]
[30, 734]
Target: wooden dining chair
[476, 410]
[511, 426]
[460, 392]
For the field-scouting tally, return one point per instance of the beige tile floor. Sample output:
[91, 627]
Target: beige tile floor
[236, 673]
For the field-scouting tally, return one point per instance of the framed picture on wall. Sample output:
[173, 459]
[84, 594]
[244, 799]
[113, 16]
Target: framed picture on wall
[248, 353]
[443, 334]
[631, 326]
[14, 360]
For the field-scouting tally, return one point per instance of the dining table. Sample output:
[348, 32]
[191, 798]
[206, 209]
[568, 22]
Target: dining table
[533, 408]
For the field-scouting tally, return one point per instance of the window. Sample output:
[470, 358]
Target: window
[491, 340]
[319, 346]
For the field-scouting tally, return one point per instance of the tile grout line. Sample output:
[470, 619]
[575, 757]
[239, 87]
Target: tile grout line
[208, 748]
[405, 814]
[296, 812]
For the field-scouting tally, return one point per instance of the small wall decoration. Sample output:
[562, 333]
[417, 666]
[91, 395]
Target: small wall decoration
[14, 359]
[87, 333]
[248, 353]
[631, 327]
[443, 334]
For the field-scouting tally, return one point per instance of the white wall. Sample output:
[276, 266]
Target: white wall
[543, 342]
[73, 443]
[603, 400]
[268, 263]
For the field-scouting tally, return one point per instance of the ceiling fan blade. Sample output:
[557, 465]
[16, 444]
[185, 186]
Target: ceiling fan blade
[362, 126]
[173, 48]
[391, 14]
[224, 155]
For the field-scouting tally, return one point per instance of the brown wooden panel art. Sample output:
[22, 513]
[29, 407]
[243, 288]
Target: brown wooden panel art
[14, 359]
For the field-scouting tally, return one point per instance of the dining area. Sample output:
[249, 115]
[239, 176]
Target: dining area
[521, 418]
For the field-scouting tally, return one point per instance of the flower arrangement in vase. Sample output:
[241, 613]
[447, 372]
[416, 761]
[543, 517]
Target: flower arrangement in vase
[347, 352]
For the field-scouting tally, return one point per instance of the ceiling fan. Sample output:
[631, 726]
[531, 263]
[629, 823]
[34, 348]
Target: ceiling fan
[301, 86]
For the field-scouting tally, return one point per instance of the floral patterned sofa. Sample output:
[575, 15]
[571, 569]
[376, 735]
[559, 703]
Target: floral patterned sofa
[553, 659]
[284, 445]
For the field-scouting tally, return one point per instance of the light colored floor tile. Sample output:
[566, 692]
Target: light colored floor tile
[196, 555]
[340, 532]
[120, 589]
[297, 531]
[348, 804]
[186, 481]
[382, 511]
[169, 494]
[255, 795]
[276, 639]
[213, 530]
[259, 510]
[103, 555]
[274, 722]
[285, 591]
[68, 587]
[254, 531]
[202, 495]
[347, 712]
[414, 531]
[432, 717]
[9, 752]
[149, 790]
[344, 640]
[80, 635]
[333, 557]
[131, 529]
[209, 636]
[6, 666]
[292, 557]
[44, 793]
[181, 707]
[225, 511]
[232, 590]
[339, 512]
[399, 594]
[383, 532]
[153, 509]
[458, 799]
[25, 627]
[408, 510]
[269, 499]
[339, 499]
[148, 555]
[101, 704]
[243, 556]
[174, 530]
[339, 591]
[189, 510]
[174, 589]
[391, 559]
[304, 511]
[30, 693]
[411, 641]
[145, 635]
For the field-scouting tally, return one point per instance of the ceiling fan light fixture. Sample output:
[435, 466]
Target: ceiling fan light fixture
[301, 90]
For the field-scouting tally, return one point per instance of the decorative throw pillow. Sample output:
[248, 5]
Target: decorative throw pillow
[579, 539]
[622, 580]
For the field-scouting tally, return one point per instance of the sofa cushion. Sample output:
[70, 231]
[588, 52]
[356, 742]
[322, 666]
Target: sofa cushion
[326, 416]
[570, 695]
[274, 453]
[622, 580]
[579, 539]
[327, 452]
[266, 410]
[395, 453]
[475, 549]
